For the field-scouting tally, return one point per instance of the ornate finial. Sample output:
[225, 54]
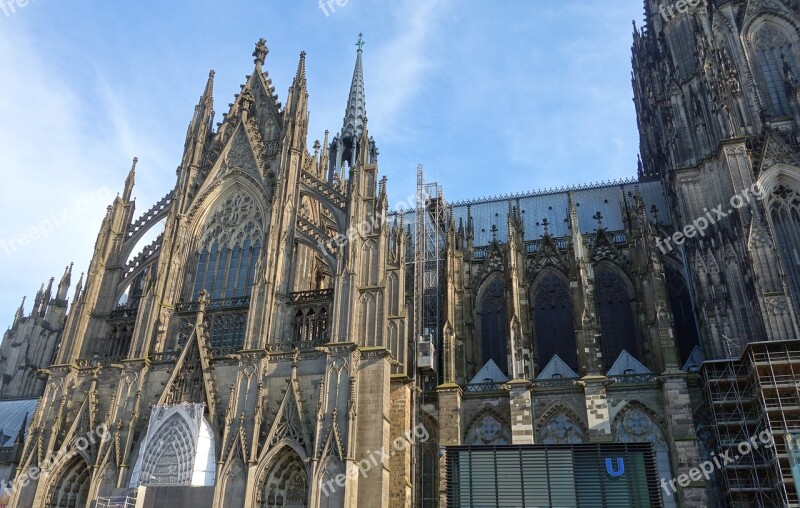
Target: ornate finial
[360, 42]
[494, 232]
[203, 299]
[260, 52]
[654, 211]
[301, 66]
[247, 101]
[545, 224]
[599, 218]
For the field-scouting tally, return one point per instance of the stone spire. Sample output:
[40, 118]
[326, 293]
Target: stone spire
[356, 110]
[19, 314]
[129, 181]
[63, 286]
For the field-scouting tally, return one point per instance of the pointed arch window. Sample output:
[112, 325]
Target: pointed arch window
[493, 323]
[554, 322]
[680, 301]
[772, 48]
[615, 311]
[785, 215]
[229, 249]
[226, 272]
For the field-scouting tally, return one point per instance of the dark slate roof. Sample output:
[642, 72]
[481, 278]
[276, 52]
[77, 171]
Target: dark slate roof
[606, 198]
[12, 414]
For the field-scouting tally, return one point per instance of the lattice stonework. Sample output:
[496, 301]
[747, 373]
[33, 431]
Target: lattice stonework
[233, 221]
[488, 430]
[561, 429]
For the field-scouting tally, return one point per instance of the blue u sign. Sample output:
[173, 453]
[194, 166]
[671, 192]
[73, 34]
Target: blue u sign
[620, 469]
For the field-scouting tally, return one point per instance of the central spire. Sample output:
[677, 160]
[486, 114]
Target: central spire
[356, 103]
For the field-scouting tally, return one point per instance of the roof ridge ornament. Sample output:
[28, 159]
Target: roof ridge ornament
[261, 52]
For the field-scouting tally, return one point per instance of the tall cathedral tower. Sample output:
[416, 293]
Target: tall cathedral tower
[717, 95]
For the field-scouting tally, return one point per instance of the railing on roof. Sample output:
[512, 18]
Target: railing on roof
[116, 502]
[534, 193]
[493, 386]
[633, 378]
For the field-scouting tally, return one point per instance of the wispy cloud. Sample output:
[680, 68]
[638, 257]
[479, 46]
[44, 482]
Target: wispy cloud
[399, 67]
[55, 149]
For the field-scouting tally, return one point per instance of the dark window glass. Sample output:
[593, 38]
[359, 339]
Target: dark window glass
[554, 322]
[494, 325]
[615, 312]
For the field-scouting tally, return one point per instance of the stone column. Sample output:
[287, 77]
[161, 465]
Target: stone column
[684, 449]
[521, 411]
[400, 486]
[594, 388]
[449, 429]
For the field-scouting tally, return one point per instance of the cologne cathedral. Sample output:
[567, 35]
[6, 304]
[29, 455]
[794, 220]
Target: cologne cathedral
[284, 338]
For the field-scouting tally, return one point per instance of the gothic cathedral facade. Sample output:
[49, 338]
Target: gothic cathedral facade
[285, 341]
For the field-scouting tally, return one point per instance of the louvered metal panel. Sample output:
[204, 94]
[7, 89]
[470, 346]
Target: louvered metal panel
[617, 475]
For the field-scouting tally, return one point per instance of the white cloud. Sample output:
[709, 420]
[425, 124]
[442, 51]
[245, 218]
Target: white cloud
[398, 67]
[58, 148]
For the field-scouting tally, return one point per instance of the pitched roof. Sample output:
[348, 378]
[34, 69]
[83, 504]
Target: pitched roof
[556, 368]
[627, 364]
[13, 413]
[695, 360]
[489, 371]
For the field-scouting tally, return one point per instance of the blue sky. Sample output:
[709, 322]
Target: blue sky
[492, 96]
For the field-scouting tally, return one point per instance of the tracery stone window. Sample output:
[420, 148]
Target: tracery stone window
[615, 313]
[554, 322]
[285, 484]
[772, 47]
[493, 323]
[229, 249]
[785, 214]
[72, 489]
[488, 430]
[561, 428]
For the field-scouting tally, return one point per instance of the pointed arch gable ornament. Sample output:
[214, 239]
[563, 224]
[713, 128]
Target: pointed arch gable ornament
[559, 424]
[289, 424]
[488, 427]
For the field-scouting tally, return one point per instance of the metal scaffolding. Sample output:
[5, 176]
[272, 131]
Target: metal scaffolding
[430, 234]
[428, 250]
[758, 393]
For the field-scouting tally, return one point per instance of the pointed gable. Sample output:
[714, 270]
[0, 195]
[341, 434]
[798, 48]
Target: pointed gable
[557, 369]
[695, 360]
[490, 373]
[778, 151]
[289, 422]
[626, 364]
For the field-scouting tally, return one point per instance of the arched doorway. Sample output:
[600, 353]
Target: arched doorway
[285, 484]
[71, 490]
